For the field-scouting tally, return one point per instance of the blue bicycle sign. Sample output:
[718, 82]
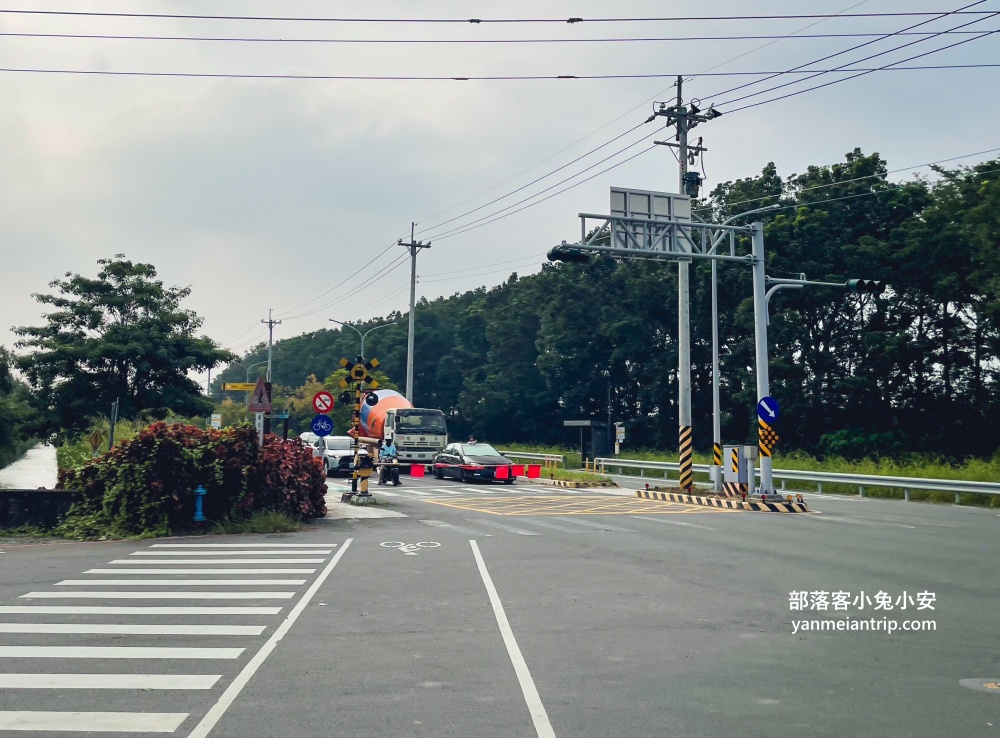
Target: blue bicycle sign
[322, 425]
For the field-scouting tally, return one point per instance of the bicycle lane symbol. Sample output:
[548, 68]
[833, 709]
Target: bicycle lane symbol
[409, 549]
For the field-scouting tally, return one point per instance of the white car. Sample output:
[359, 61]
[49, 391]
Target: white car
[308, 438]
[337, 453]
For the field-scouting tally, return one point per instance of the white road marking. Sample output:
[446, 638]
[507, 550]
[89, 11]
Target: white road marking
[546, 524]
[458, 528]
[96, 722]
[536, 709]
[176, 582]
[233, 690]
[199, 571]
[413, 492]
[233, 562]
[599, 526]
[108, 681]
[234, 553]
[502, 526]
[160, 595]
[242, 545]
[671, 522]
[854, 521]
[130, 629]
[105, 610]
[116, 652]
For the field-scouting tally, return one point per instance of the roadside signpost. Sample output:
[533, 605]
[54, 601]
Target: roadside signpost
[322, 426]
[260, 400]
[238, 386]
[217, 421]
[322, 402]
[358, 373]
[95, 439]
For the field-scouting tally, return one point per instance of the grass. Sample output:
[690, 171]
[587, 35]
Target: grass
[261, 522]
[572, 475]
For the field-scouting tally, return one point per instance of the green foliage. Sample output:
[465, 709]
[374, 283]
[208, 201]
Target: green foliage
[120, 336]
[913, 370]
[265, 521]
[145, 485]
[15, 415]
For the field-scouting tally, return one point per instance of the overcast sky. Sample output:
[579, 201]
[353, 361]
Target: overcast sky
[266, 193]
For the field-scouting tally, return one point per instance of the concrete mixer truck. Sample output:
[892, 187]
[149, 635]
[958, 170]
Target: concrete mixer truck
[419, 433]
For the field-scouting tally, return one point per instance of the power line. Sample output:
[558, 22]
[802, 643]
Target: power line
[861, 73]
[843, 67]
[442, 41]
[487, 78]
[473, 21]
[388, 270]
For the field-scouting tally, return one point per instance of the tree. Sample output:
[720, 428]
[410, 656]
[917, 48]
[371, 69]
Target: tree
[120, 336]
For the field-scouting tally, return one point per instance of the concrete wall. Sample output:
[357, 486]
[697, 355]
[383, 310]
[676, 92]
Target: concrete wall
[42, 507]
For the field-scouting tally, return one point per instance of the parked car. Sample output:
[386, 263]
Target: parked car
[308, 438]
[469, 461]
[337, 454]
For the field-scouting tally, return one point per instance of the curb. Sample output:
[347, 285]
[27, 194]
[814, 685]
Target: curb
[573, 485]
[731, 504]
[690, 499]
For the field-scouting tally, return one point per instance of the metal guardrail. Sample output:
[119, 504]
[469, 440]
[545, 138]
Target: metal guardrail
[819, 478]
[545, 458]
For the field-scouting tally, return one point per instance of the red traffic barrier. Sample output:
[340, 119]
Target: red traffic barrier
[534, 471]
[501, 472]
[517, 470]
[417, 470]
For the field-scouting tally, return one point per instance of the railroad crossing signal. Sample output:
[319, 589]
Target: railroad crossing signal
[358, 372]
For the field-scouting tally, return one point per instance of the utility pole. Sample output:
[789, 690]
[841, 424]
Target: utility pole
[270, 322]
[414, 247]
[685, 118]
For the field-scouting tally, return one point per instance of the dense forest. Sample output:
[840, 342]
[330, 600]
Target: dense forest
[913, 370]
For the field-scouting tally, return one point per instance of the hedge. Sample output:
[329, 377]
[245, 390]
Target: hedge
[145, 485]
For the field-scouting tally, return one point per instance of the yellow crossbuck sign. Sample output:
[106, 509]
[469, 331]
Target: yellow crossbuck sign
[359, 372]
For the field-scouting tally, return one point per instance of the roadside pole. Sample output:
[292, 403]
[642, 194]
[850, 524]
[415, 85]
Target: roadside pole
[760, 340]
[270, 322]
[716, 402]
[685, 434]
[414, 247]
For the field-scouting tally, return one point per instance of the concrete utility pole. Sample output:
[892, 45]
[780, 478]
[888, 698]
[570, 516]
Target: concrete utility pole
[685, 438]
[760, 340]
[270, 322]
[414, 247]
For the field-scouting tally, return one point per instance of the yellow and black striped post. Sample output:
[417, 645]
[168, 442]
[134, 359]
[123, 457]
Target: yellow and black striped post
[717, 462]
[355, 443]
[686, 481]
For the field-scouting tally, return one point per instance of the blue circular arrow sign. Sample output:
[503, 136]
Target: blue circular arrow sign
[322, 425]
[767, 410]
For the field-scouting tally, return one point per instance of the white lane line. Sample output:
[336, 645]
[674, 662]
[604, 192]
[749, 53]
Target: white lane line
[502, 526]
[130, 629]
[599, 526]
[546, 524]
[671, 522]
[100, 722]
[176, 582]
[108, 681]
[116, 652]
[199, 571]
[232, 562]
[411, 492]
[535, 707]
[243, 678]
[456, 528]
[316, 552]
[106, 610]
[243, 545]
[854, 521]
[159, 595]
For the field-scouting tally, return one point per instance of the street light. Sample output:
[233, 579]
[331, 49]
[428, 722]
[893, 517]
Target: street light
[363, 335]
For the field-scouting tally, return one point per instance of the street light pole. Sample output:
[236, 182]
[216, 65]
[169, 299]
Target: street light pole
[362, 335]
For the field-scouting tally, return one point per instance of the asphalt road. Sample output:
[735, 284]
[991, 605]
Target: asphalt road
[540, 612]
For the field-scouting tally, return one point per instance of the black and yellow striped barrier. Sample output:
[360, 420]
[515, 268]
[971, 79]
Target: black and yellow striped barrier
[686, 459]
[787, 506]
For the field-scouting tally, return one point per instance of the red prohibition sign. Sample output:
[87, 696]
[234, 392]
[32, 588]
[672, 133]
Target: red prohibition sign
[322, 401]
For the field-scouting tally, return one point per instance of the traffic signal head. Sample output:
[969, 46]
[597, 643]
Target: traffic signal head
[568, 253]
[866, 286]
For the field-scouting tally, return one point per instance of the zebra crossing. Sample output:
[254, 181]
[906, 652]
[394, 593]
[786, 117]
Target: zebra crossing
[412, 490]
[523, 525]
[165, 665]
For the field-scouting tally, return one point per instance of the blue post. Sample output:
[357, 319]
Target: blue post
[199, 494]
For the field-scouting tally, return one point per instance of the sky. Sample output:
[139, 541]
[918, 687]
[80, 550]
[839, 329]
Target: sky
[266, 194]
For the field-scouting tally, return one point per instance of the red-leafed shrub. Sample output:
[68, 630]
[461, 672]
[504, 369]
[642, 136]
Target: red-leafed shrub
[146, 484]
